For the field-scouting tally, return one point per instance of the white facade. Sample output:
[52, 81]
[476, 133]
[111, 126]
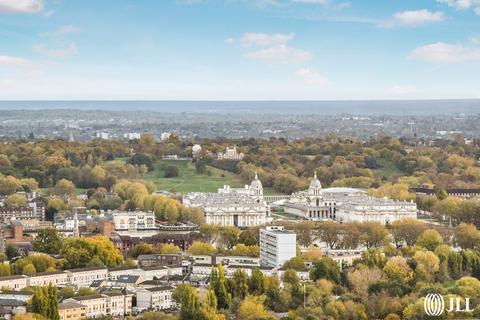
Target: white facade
[230, 154]
[132, 135]
[96, 306]
[346, 205]
[85, 277]
[102, 135]
[276, 246]
[14, 282]
[243, 207]
[384, 211]
[137, 220]
[157, 298]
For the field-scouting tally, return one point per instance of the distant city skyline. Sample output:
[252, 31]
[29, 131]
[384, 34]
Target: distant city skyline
[239, 49]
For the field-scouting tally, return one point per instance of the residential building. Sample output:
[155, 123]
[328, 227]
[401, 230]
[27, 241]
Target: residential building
[277, 246]
[14, 282]
[118, 304]
[72, 310]
[95, 305]
[134, 220]
[157, 260]
[84, 277]
[156, 298]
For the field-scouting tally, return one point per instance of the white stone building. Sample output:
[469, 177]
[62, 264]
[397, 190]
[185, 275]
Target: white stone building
[137, 220]
[277, 245]
[14, 282]
[242, 207]
[346, 205]
[230, 154]
[157, 298]
[95, 305]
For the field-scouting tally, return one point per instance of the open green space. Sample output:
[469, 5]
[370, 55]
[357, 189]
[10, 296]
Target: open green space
[388, 169]
[189, 180]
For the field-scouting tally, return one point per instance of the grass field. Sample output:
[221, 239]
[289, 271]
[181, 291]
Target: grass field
[189, 180]
[389, 169]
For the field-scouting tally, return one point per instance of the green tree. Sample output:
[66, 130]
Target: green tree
[239, 284]
[48, 241]
[326, 268]
[29, 270]
[64, 188]
[188, 298]
[218, 285]
[15, 201]
[430, 239]
[11, 251]
[255, 285]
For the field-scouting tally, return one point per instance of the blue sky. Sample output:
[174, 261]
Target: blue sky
[239, 49]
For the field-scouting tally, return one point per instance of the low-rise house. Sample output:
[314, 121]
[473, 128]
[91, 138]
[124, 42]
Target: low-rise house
[151, 273]
[157, 298]
[14, 282]
[113, 274]
[86, 276]
[16, 295]
[118, 304]
[57, 278]
[158, 260]
[95, 305]
[72, 310]
[128, 282]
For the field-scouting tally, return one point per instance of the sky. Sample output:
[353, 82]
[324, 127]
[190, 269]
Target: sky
[239, 49]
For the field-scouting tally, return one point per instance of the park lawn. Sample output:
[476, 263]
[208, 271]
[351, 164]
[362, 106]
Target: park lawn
[189, 180]
[388, 169]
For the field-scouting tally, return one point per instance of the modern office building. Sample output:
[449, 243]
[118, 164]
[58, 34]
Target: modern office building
[277, 246]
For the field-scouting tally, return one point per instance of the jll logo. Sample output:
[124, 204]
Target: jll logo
[434, 305]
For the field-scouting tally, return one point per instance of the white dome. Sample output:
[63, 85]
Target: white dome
[196, 148]
[315, 183]
[256, 183]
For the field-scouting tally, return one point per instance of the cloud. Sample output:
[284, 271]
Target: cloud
[272, 47]
[10, 61]
[311, 77]
[413, 18]
[282, 53]
[60, 53]
[445, 53]
[21, 6]
[264, 40]
[322, 2]
[463, 4]
[63, 30]
[401, 90]
[460, 4]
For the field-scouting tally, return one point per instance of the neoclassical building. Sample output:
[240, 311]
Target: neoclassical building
[239, 207]
[346, 205]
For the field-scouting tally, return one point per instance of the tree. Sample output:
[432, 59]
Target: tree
[467, 236]
[5, 270]
[210, 232]
[255, 284]
[170, 171]
[407, 231]
[430, 239]
[373, 258]
[229, 236]
[373, 235]
[201, 248]
[64, 188]
[239, 284]
[52, 311]
[45, 302]
[427, 264]
[249, 237]
[29, 270]
[397, 269]
[252, 309]
[48, 241]
[67, 292]
[169, 248]
[304, 230]
[217, 284]
[11, 251]
[326, 268]
[188, 298]
[15, 201]
[79, 252]
[328, 233]
[295, 263]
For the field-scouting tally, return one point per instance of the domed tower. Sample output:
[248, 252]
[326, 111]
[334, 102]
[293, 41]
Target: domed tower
[256, 186]
[315, 188]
